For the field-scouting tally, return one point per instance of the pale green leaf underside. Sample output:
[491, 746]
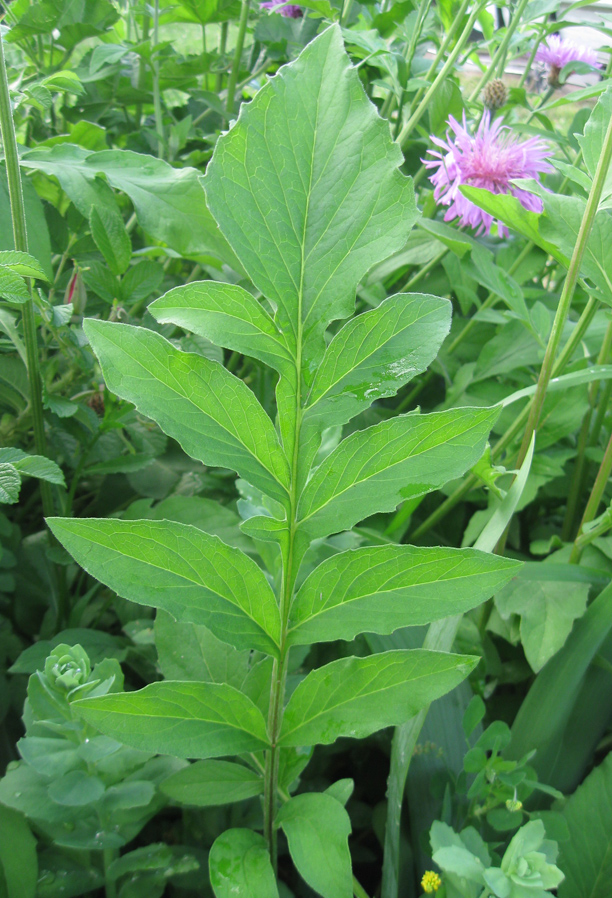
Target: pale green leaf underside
[306, 188]
[33, 465]
[212, 414]
[228, 316]
[373, 470]
[194, 576]
[211, 783]
[381, 588]
[357, 696]
[375, 354]
[240, 866]
[186, 720]
[317, 829]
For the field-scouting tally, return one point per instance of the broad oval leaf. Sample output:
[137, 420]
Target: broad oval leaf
[213, 415]
[240, 867]
[311, 210]
[381, 588]
[373, 470]
[375, 354]
[211, 783]
[358, 696]
[317, 829]
[194, 576]
[228, 316]
[186, 720]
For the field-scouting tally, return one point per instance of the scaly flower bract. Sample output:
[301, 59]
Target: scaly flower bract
[285, 9]
[491, 158]
[557, 52]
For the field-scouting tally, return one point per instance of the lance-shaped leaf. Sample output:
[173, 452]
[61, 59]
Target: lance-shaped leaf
[240, 866]
[186, 720]
[306, 188]
[381, 588]
[357, 696]
[212, 414]
[211, 783]
[194, 576]
[373, 470]
[228, 316]
[375, 354]
[317, 829]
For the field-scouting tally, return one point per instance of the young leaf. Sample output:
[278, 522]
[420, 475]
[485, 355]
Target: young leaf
[373, 470]
[10, 484]
[209, 783]
[357, 696]
[317, 829]
[228, 316]
[111, 237]
[381, 588]
[213, 415]
[33, 465]
[177, 567]
[186, 720]
[311, 210]
[240, 867]
[23, 264]
[12, 286]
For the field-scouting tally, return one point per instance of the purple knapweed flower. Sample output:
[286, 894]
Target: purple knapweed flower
[490, 159]
[285, 9]
[557, 52]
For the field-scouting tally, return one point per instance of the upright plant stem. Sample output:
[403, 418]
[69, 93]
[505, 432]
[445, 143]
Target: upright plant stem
[583, 441]
[532, 55]
[20, 236]
[567, 293]
[233, 78]
[498, 59]
[159, 120]
[450, 62]
[595, 498]
[222, 46]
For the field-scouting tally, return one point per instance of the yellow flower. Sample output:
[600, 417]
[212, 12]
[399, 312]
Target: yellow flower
[431, 882]
[513, 804]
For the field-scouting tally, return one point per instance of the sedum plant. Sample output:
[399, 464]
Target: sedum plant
[306, 189]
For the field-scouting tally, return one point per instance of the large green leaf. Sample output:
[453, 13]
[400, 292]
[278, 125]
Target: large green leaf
[187, 720]
[593, 138]
[306, 187]
[357, 696]
[240, 867]
[191, 574]
[317, 829]
[228, 316]
[381, 588]
[213, 415]
[374, 470]
[586, 857]
[169, 202]
[18, 859]
[39, 242]
[375, 354]
[33, 465]
[210, 783]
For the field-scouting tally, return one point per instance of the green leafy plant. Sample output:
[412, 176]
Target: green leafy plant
[84, 792]
[305, 187]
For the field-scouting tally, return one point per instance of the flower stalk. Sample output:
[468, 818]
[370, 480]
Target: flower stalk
[498, 61]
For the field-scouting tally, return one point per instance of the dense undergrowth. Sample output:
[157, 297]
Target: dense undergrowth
[305, 379]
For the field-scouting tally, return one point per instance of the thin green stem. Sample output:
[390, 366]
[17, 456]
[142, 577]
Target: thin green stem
[532, 55]
[233, 78]
[471, 481]
[222, 46]
[595, 498]
[565, 300]
[603, 407]
[110, 884]
[159, 120]
[583, 441]
[500, 53]
[448, 65]
[20, 236]
[358, 890]
[346, 12]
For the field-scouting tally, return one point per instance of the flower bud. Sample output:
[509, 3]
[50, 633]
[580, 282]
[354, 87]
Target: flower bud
[495, 94]
[67, 668]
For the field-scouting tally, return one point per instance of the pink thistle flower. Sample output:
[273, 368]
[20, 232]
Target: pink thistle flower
[557, 52]
[285, 9]
[490, 159]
